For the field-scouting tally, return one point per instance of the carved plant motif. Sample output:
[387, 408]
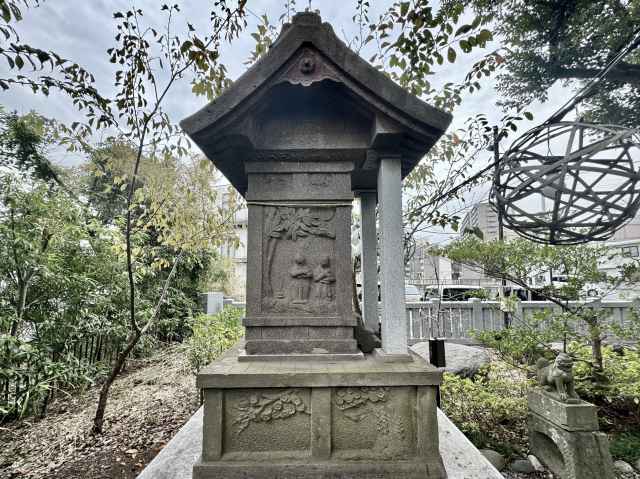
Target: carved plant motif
[348, 398]
[371, 404]
[264, 408]
[293, 223]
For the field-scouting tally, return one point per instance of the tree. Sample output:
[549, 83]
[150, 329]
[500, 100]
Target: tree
[568, 41]
[519, 261]
[66, 76]
[412, 42]
[151, 60]
[56, 290]
[24, 141]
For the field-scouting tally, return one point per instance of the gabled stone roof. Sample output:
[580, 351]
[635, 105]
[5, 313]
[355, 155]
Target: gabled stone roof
[308, 53]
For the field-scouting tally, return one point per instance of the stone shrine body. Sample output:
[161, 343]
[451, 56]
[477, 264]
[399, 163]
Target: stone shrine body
[305, 129]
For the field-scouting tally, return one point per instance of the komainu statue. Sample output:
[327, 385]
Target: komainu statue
[557, 378]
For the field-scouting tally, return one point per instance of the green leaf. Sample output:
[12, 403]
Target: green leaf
[463, 29]
[485, 35]
[451, 55]
[6, 13]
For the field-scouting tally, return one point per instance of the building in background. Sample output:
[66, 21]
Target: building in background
[482, 217]
[235, 254]
[439, 277]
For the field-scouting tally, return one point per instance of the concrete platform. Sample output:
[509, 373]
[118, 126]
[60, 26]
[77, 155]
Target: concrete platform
[461, 459]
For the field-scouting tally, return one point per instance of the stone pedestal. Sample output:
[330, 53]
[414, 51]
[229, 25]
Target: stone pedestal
[565, 438]
[313, 419]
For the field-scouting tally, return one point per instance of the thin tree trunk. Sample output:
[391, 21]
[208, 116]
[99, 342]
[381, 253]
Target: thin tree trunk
[98, 420]
[595, 338]
[22, 301]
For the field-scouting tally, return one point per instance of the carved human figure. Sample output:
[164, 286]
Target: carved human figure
[324, 278]
[300, 277]
[557, 378]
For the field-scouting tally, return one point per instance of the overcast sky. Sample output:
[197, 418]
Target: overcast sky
[82, 30]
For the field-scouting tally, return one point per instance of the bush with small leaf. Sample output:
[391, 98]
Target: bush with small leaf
[490, 409]
[213, 335]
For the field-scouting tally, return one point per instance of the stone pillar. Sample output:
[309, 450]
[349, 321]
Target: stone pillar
[369, 260]
[394, 325]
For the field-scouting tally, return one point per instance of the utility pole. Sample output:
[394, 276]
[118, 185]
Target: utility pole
[506, 317]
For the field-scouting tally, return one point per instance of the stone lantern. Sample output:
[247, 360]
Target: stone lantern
[305, 129]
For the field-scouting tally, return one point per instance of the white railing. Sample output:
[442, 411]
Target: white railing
[457, 319]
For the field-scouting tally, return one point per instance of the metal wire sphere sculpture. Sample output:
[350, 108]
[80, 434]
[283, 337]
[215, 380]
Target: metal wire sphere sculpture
[569, 182]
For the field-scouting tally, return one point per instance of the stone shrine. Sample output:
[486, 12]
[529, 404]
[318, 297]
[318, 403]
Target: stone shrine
[309, 126]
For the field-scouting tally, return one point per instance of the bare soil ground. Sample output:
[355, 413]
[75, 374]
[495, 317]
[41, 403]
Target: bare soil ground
[147, 406]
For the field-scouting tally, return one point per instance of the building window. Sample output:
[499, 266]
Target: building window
[630, 251]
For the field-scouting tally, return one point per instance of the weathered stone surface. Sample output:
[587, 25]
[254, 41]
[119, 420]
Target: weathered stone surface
[462, 360]
[313, 419]
[570, 454]
[523, 466]
[227, 372]
[176, 459]
[297, 134]
[581, 416]
[300, 269]
[297, 68]
[637, 464]
[556, 378]
[623, 467]
[495, 458]
[535, 462]
[460, 458]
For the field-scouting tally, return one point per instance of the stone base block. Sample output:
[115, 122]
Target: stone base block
[570, 454]
[244, 357]
[581, 416]
[301, 346]
[318, 470]
[318, 419]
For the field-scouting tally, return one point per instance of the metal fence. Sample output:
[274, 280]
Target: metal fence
[457, 319]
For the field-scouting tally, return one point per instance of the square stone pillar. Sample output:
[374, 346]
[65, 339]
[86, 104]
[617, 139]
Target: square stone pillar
[368, 230]
[299, 280]
[394, 324]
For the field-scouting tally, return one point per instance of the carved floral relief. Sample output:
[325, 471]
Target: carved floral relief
[262, 407]
[374, 405]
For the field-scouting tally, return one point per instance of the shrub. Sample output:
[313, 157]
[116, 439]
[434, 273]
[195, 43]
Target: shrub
[491, 410]
[618, 388]
[626, 446]
[28, 376]
[212, 335]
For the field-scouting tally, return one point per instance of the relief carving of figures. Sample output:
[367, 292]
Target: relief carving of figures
[325, 279]
[301, 276]
[294, 236]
